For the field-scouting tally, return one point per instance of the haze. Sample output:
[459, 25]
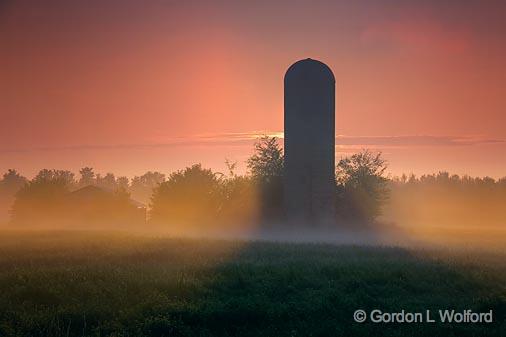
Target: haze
[131, 86]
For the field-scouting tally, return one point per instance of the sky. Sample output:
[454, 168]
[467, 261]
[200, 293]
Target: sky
[130, 86]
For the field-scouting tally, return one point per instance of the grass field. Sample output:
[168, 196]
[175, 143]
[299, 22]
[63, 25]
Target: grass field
[99, 284]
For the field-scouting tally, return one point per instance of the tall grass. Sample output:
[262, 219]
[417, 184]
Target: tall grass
[85, 284]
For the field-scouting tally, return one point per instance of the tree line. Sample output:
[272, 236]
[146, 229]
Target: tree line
[196, 196]
[447, 199]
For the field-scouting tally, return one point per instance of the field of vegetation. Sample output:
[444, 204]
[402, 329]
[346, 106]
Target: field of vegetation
[113, 284]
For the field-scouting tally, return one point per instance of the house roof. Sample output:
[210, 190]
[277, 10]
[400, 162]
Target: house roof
[93, 192]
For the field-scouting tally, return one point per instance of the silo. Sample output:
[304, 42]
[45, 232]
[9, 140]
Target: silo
[309, 142]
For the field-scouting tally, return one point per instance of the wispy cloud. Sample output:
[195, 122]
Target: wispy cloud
[247, 138]
[415, 140]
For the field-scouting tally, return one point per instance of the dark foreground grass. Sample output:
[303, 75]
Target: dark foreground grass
[83, 284]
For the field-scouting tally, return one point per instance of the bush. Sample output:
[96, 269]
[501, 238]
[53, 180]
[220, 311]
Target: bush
[361, 186]
[189, 197]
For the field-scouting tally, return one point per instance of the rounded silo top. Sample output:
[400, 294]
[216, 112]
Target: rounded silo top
[309, 70]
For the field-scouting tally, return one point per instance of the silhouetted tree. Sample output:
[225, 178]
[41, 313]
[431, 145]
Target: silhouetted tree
[141, 188]
[64, 177]
[231, 166]
[107, 182]
[123, 183]
[87, 177]
[41, 200]
[12, 181]
[266, 169]
[190, 197]
[361, 186]
[10, 184]
[267, 161]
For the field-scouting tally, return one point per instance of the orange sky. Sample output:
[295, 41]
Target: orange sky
[130, 86]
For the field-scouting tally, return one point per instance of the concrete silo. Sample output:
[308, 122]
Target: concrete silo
[309, 142]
